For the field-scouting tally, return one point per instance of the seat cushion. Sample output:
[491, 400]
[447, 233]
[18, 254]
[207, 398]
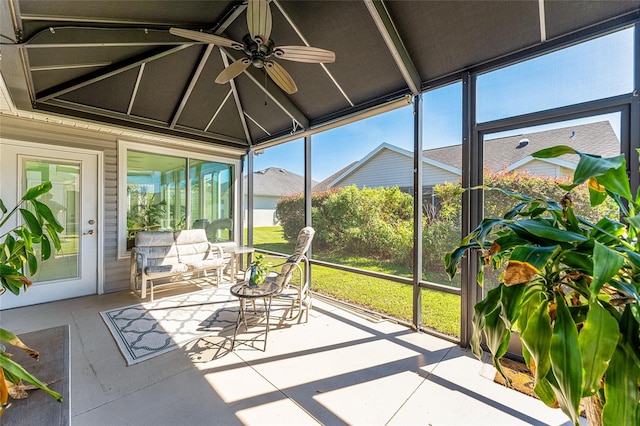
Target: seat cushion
[192, 246]
[207, 264]
[158, 248]
[164, 270]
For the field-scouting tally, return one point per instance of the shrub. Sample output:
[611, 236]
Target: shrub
[449, 201]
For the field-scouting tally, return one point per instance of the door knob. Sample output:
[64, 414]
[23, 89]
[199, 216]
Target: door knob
[89, 232]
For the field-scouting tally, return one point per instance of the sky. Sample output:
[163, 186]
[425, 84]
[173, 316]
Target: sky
[595, 69]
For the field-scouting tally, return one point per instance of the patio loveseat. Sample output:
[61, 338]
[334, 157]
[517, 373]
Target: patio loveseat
[167, 254]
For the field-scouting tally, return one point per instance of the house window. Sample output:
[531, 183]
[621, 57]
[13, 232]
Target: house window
[168, 191]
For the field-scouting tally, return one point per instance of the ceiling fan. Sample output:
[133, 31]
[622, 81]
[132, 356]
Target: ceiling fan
[260, 49]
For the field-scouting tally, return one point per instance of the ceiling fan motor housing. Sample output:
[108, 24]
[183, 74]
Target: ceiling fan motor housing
[257, 49]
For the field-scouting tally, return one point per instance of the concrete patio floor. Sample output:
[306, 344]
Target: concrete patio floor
[339, 368]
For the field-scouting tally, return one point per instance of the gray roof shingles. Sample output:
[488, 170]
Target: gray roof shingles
[593, 138]
[277, 182]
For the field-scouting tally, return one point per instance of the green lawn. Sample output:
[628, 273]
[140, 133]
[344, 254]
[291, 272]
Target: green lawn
[440, 311]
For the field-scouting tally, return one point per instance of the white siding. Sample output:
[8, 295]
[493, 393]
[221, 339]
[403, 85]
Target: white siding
[64, 132]
[544, 168]
[116, 273]
[390, 168]
[264, 211]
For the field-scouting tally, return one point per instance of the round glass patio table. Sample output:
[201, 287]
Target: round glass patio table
[244, 292]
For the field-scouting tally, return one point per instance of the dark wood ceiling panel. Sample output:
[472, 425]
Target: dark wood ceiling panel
[443, 39]
[163, 84]
[111, 94]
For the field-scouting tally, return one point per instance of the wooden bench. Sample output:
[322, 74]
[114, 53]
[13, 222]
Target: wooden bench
[167, 254]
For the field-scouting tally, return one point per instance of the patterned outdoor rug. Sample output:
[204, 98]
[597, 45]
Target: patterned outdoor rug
[150, 329]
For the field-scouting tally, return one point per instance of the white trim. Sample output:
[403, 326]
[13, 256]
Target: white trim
[116, 132]
[100, 205]
[125, 145]
[554, 161]
[4, 92]
[543, 22]
[398, 150]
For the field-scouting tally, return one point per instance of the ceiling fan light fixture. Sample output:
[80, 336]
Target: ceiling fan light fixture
[259, 48]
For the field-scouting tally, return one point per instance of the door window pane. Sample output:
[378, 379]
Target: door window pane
[64, 202]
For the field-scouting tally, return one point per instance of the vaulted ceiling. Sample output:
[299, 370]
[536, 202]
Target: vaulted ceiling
[116, 62]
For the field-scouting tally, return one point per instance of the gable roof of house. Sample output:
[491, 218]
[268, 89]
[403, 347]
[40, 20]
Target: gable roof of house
[506, 152]
[277, 182]
[351, 168]
[326, 183]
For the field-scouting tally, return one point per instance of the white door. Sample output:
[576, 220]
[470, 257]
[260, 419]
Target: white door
[72, 271]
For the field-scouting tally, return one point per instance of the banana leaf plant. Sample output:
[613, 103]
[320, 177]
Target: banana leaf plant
[20, 248]
[570, 288]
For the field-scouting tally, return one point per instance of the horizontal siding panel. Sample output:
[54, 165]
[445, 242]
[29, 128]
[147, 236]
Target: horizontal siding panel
[389, 168]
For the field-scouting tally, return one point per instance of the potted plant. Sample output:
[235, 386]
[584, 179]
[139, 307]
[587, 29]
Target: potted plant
[259, 269]
[19, 248]
[570, 288]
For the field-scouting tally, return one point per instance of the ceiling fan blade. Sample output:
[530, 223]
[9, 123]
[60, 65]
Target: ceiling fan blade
[313, 55]
[233, 70]
[281, 77]
[206, 38]
[259, 19]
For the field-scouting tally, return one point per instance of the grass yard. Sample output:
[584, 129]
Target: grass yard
[440, 311]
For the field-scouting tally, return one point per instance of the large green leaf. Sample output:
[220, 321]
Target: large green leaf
[554, 151]
[578, 260]
[37, 191]
[534, 256]
[543, 229]
[53, 236]
[610, 173]
[566, 362]
[452, 258]
[32, 222]
[634, 221]
[537, 339]
[497, 336]
[622, 406]
[597, 341]
[17, 370]
[608, 231]
[480, 311]
[44, 211]
[511, 303]
[606, 264]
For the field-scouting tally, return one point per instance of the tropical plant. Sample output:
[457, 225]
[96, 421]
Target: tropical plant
[19, 247]
[570, 287]
[259, 269]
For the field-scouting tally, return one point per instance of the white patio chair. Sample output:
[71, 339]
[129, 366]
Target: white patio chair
[298, 294]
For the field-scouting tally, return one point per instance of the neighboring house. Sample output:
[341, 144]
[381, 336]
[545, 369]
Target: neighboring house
[388, 165]
[269, 185]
